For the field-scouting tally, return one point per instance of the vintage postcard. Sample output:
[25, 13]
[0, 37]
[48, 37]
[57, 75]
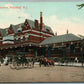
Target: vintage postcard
[41, 41]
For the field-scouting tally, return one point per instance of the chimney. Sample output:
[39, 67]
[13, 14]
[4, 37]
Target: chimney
[41, 21]
[0, 34]
[55, 33]
[10, 25]
[36, 24]
[43, 26]
[67, 31]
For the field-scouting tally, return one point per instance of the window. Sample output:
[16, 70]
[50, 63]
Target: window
[8, 39]
[72, 48]
[26, 37]
[56, 50]
[17, 38]
[21, 38]
[47, 30]
[19, 30]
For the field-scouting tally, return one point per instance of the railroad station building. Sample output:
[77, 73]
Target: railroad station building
[34, 39]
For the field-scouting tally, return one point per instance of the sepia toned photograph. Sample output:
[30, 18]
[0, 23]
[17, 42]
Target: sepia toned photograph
[41, 41]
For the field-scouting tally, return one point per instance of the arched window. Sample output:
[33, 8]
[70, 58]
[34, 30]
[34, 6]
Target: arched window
[19, 30]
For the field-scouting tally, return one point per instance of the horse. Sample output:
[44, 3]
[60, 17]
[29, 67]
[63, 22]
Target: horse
[46, 62]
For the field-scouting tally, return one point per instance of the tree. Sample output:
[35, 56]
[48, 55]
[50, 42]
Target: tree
[80, 6]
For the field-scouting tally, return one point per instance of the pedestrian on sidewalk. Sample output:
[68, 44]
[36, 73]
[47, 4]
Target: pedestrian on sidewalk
[40, 62]
[0, 63]
[33, 61]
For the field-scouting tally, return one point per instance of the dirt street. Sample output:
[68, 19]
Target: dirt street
[42, 74]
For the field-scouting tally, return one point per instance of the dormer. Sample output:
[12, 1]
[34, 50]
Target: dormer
[26, 25]
[48, 30]
[19, 30]
[6, 31]
[10, 31]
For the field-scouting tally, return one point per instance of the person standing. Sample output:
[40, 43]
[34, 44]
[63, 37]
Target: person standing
[33, 61]
[45, 61]
[0, 63]
[40, 62]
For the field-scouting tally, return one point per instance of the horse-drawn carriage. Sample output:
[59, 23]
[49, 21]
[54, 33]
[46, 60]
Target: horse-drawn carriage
[18, 61]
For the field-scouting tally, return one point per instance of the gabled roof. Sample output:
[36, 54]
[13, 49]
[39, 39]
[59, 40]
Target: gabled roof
[15, 27]
[60, 39]
[31, 23]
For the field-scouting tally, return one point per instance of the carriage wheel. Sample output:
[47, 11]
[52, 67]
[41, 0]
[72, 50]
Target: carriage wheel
[17, 66]
[25, 65]
[14, 65]
[30, 65]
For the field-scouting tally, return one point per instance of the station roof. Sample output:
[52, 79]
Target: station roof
[60, 39]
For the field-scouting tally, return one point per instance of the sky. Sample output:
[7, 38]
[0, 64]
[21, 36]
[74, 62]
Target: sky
[60, 16]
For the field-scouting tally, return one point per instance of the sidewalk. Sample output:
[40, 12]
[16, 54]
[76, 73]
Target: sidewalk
[62, 64]
[65, 64]
[69, 64]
